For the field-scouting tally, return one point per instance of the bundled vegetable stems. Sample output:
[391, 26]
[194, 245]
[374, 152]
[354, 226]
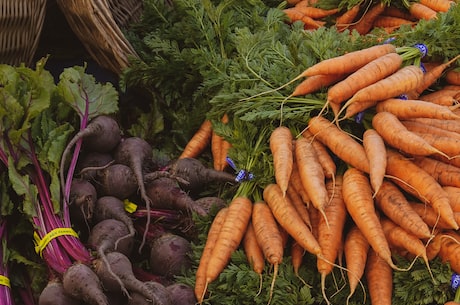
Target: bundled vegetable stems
[5, 287]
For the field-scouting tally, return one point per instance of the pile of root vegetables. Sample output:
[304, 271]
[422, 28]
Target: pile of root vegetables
[395, 193]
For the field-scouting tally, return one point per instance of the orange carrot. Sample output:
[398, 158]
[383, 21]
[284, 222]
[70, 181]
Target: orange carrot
[345, 20]
[213, 233]
[421, 11]
[449, 146]
[445, 174]
[297, 255]
[449, 125]
[314, 220]
[430, 217]
[198, 142]
[434, 246]
[230, 236]
[286, 215]
[340, 143]
[330, 233]
[311, 174]
[365, 23]
[452, 77]
[443, 96]
[355, 108]
[374, 71]
[400, 238]
[408, 109]
[349, 62]
[393, 203]
[356, 248]
[296, 183]
[253, 250]
[216, 150]
[390, 22]
[357, 194]
[450, 253]
[299, 205]
[432, 75]
[374, 146]
[454, 197]
[395, 11]
[324, 157]
[315, 12]
[282, 151]
[316, 82]
[379, 277]
[421, 184]
[402, 81]
[395, 134]
[438, 5]
[295, 15]
[268, 237]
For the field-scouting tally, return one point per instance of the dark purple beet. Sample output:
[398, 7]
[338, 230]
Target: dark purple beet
[181, 294]
[105, 234]
[116, 180]
[83, 196]
[210, 202]
[158, 289]
[104, 137]
[54, 294]
[89, 163]
[169, 255]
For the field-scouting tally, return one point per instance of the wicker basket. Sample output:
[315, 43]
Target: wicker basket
[21, 23]
[97, 24]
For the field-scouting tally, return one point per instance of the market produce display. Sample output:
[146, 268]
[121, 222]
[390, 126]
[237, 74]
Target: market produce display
[298, 152]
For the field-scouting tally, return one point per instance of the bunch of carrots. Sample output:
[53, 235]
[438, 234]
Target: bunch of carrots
[365, 16]
[397, 182]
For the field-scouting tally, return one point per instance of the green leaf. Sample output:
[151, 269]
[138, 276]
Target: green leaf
[22, 186]
[81, 91]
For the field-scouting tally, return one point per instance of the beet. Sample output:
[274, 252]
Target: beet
[181, 294]
[89, 163]
[105, 234]
[165, 193]
[83, 196]
[158, 289]
[210, 202]
[196, 175]
[54, 294]
[169, 255]
[81, 282]
[120, 276]
[116, 180]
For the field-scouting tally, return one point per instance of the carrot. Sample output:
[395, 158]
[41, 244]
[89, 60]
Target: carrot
[438, 5]
[294, 15]
[230, 236]
[449, 125]
[349, 62]
[408, 109]
[343, 21]
[213, 233]
[421, 11]
[443, 96]
[219, 148]
[393, 203]
[297, 185]
[311, 174]
[357, 194]
[395, 134]
[374, 146]
[282, 151]
[268, 237]
[365, 23]
[434, 246]
[340, 143]
[314, 220]
[452, 77]
[399, 238]
[330, 233]
[432, 75]
[316, 82]
[454, 197]
[324, 157]
[297, 255]
[198, 142]
[356, 248]
[379, 277]
[450, 253]
[449, 146]
[368, 74]
[315, 12]
[356, 108]
[445, 174]
[402, 81]
[391, 21]
[394, 11]
[300, 206]
[421, 184]
[422, 127]
[253, 251]
[286, 215]
[430, 217]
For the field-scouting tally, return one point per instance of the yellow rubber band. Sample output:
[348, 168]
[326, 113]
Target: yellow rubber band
[130, 207]
[4, 281]
[40, 244]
